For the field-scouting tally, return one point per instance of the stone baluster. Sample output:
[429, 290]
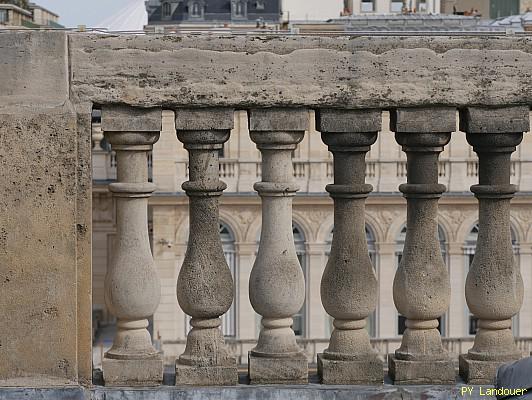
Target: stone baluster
[494, 287]
[421, 288]
[349, 286]
[277, 284]
[132, 287]
[205, 286]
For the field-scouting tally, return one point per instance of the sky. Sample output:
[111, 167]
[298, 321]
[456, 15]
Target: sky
[131, 15]
[87, 12]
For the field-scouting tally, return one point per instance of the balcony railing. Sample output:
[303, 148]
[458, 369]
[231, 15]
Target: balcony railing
[45, 237]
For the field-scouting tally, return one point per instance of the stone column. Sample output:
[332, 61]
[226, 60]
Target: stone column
[349, 286]
[421, 288]
[494, 287]
[205, 285]
[277, 284]
[132, 287]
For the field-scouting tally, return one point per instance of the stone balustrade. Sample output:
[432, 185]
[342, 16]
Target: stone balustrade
[203, 79]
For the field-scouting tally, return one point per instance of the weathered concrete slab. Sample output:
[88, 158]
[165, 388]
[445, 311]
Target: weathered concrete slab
[359, 72]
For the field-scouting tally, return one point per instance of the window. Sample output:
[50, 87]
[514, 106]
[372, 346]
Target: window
[422, 6]
[260, 5]
[167, 10]
[301, 317]
[396, 6]
[3, 16]
[196, 10]
[367, 6]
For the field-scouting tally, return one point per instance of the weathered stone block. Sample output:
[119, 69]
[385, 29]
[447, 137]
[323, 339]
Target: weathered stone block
[223, 375]
[129, 119]
[495, 119]
[146, 372]
[430, 372]
[204, 119]
[269, 370]
[278, 120]
[477, 372]
[353, 372]
[423, 120]
[348, 121]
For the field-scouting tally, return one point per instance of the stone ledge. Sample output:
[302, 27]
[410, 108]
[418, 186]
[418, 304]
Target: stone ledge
[270, 392]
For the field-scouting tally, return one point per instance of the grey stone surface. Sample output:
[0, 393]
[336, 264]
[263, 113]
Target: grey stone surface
[423, 372]
[350, 372]
[204, 119]
[129, 119]
[423, 120]
[268, 392]
[248, 71]
[495, 120]
[348, 121]
[205, 286]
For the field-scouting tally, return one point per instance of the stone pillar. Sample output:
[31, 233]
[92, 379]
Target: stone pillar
[277, 284]
[205, 285]
[421, 288]
[494, 287]
[349, 286]
[132, 287]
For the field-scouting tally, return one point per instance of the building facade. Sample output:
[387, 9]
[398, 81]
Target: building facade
[27, 15]
[487, 8]
[212, 12]
[393, 6]
[240, 229]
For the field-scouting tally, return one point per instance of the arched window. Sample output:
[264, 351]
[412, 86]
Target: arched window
[228, 246]
[469, 251]
[371, 325]
[229, 318]
[300, 319]
[400, 243]
[167, 9]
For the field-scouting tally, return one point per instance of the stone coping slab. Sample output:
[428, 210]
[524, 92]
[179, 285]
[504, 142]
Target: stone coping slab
[252, 392]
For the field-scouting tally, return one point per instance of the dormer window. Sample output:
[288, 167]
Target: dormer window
[196, 10]
[167, 10]
[239, 9]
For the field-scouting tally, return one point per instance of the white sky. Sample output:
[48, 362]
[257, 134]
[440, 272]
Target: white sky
[131, 14]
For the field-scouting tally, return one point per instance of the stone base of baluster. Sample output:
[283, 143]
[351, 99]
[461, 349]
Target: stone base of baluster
[219, 375]
[350, 372]
[289, 370]
[144, 372]
[429, 372]
[479, 372]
